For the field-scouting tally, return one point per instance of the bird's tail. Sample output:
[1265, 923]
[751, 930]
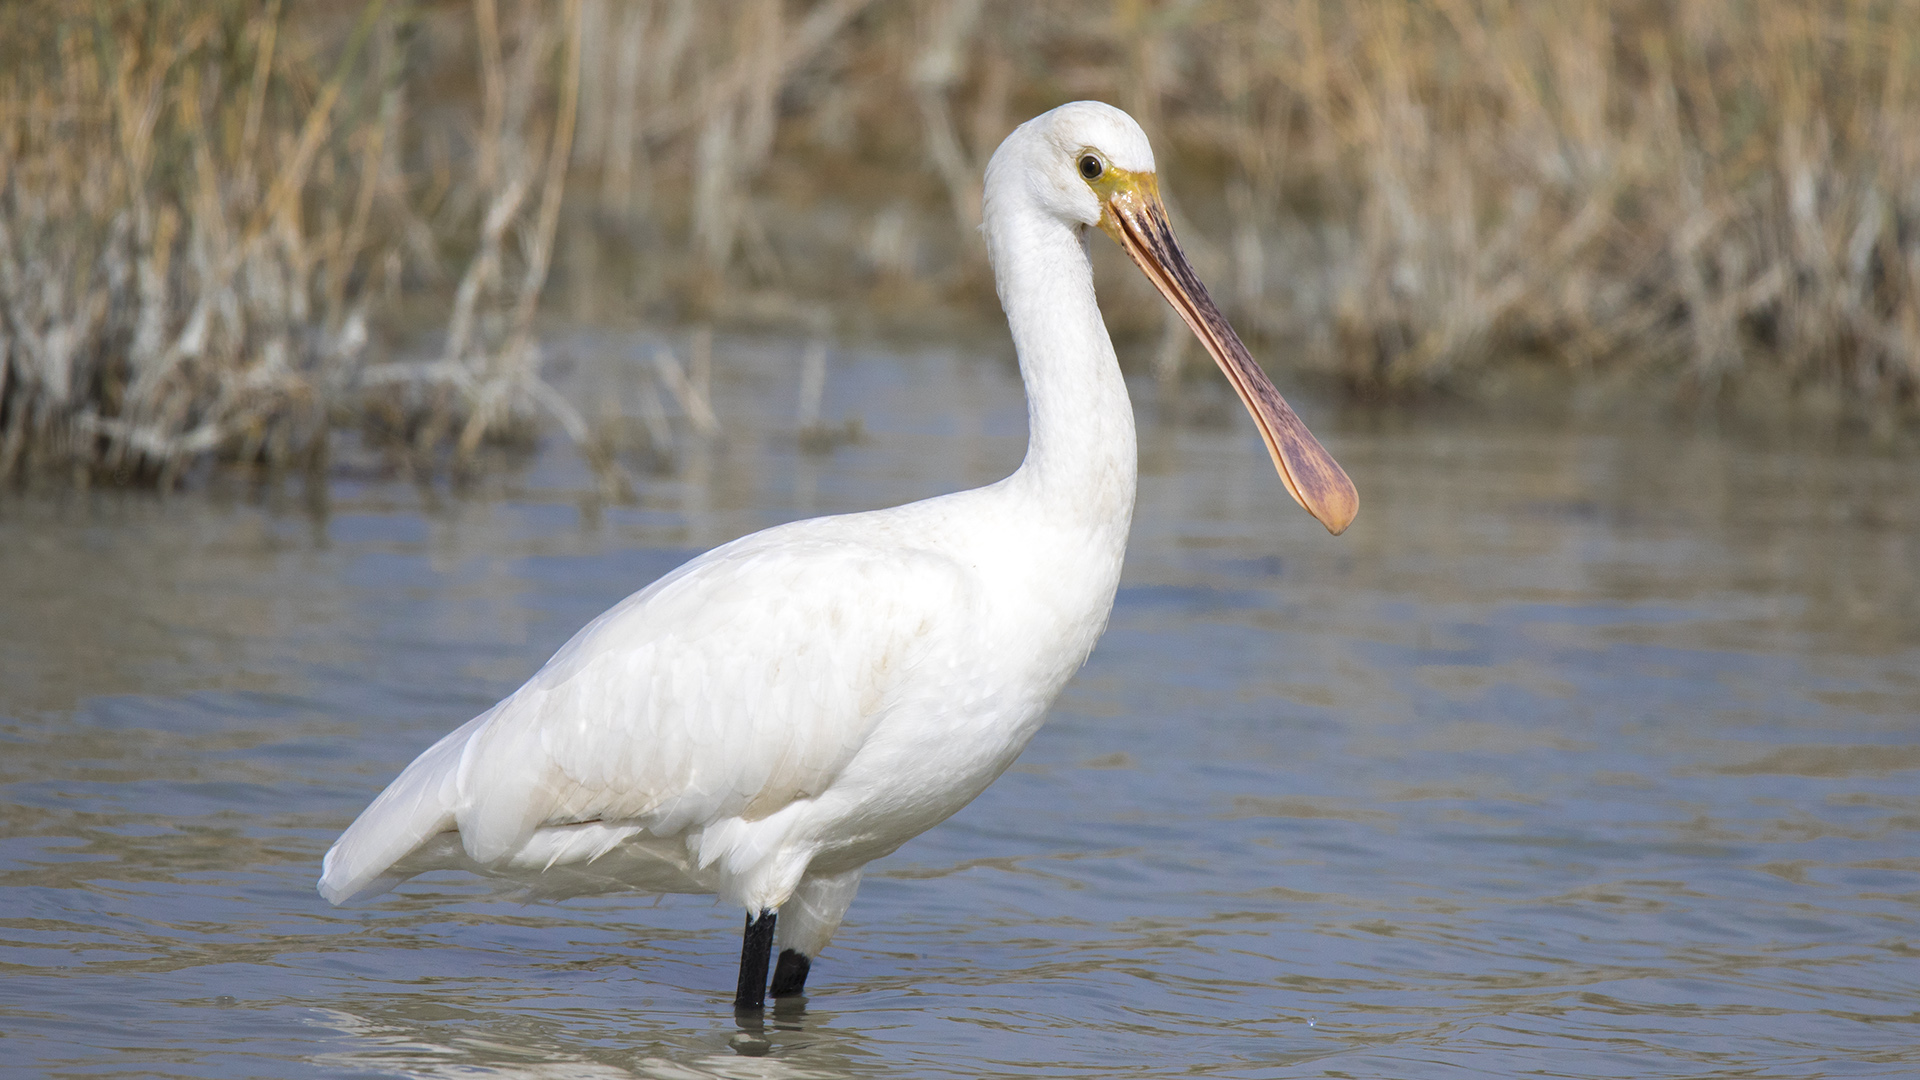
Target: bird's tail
[418, 805]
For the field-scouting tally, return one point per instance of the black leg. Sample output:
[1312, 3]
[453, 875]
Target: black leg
[790, 977]
[756, 948]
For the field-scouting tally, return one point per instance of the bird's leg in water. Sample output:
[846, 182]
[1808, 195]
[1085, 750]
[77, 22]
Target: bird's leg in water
[756, 948]
[790, 976]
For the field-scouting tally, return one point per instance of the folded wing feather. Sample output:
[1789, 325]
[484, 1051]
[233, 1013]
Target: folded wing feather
[742, 681]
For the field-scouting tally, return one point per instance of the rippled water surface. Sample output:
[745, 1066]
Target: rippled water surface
[1581, 755]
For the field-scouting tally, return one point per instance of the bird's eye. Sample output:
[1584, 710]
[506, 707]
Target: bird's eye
[1090, 167]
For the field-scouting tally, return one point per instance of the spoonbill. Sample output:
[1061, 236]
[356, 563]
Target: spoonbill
[774, 715]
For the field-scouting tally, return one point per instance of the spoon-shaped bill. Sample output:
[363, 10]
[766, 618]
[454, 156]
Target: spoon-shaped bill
[1134, 216]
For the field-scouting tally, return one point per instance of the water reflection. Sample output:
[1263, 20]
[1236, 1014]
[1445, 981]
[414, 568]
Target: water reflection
[1582, 753]
[433, 1039]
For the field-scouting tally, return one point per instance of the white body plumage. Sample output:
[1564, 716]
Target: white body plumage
[786, 708]
[775, 714]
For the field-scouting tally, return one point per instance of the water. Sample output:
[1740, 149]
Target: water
[1582, 755]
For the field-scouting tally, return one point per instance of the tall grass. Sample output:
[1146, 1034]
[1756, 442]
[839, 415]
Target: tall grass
[207, 210]
[487, 377]
[1723, 191]
[1410, 192]
[169, 285]
[217, 219]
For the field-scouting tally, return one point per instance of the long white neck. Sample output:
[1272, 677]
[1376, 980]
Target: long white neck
[1081, 459]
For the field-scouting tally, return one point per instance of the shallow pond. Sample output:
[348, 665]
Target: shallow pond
[1581, 755]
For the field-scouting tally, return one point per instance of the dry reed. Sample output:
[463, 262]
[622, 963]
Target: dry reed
[169, 287]
[210, 212]
[1412, 194]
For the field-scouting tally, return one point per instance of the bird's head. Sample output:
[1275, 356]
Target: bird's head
[1089, 164]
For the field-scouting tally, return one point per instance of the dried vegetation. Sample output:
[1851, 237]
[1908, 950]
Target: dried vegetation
[208, 211]
[166, 290]
[1699, 197]
[218, 219]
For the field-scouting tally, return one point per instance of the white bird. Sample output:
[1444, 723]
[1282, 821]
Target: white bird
[769, 718]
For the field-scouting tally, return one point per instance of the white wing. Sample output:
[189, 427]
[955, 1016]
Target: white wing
[737, 684]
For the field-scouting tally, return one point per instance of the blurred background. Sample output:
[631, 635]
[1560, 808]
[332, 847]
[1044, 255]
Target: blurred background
[354, 354]
[227, 228]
